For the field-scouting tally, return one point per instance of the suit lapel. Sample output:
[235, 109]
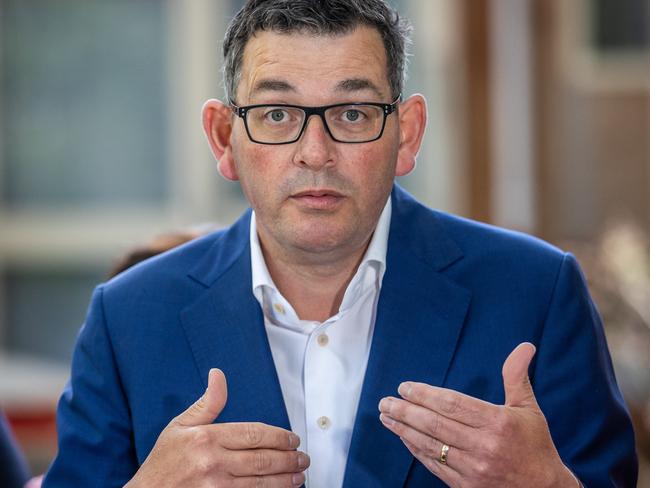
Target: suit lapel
[225, 329]
[419, 318]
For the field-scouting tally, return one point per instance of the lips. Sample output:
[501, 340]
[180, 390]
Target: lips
[317, 193]
[318, 199]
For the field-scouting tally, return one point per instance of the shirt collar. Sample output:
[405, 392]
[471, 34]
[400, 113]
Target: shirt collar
[375, 258]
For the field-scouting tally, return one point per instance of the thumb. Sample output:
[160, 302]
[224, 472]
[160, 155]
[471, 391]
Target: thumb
[519, 392]
[209, 406]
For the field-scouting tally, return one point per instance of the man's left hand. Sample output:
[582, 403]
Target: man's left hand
[467, 442]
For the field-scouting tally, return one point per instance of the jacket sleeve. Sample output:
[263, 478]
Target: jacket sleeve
[576, 388]
[93, 420]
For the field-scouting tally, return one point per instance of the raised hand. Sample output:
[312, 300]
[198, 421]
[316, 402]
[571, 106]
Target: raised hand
[192, 451]
[467, 442]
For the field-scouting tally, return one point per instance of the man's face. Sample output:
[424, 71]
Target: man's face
[315, 196]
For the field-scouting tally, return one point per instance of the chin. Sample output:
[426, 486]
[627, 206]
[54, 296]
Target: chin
[320, 239]
[317, 245]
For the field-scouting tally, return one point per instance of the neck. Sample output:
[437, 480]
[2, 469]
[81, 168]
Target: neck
[315, 288]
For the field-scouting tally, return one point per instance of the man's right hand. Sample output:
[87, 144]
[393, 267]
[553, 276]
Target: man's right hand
[192, 451]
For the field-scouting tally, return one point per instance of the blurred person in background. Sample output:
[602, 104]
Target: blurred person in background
[158, 245]
[391, 343]
[13, 468]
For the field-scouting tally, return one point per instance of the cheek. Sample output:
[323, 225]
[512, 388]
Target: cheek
[374, 176]
[376, 169]
[259, 173]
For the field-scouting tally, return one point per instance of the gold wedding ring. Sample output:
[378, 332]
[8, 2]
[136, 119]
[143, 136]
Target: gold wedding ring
[443, 454]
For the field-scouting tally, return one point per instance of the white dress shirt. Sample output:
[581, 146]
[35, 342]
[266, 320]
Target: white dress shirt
[321, 365]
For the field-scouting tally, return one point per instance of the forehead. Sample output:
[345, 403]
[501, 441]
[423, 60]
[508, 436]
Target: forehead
[315, 67]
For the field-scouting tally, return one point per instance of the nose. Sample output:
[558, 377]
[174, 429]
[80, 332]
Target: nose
[315, 146]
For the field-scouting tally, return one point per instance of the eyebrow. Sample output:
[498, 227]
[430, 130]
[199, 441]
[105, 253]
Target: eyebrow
[272, 85]
[358, 84]
[349, 85]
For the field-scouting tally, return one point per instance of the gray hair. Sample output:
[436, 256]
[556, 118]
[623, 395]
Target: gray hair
[317, 17]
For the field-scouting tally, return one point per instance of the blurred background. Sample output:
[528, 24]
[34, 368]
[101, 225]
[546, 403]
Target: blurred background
[539, 121]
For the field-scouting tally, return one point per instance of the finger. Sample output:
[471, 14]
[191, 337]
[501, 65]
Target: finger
[210, 405]
[449, 403]
[426, 445]
[256, 462]
[272, 481]
[428, 422]
[255, 435]
[442, 471]
[516, 383]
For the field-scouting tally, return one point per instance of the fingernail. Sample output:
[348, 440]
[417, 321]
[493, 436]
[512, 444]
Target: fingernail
[385, 404]
[386, 420]
[298, 479]
[404, 389]
[294, 441]
[303, 460]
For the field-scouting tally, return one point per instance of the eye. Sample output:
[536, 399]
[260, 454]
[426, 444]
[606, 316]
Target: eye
[352, 115]
[277, 115]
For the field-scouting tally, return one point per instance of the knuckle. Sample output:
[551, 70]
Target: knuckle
[199, 404]
[432, 447]
[203, 463]
[291, 460]
[433, 425]
[451, 404]
[253, 434]
[398, 428]
[396, 409]
[415, 394]
[260, 482]
[261, 462]
[482, 469]
[420, 392]
[196, 408]
[491, 449]
[201, 438]
[432, 465]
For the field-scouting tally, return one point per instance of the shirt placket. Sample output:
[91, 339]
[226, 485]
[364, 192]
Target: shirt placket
[322, 378]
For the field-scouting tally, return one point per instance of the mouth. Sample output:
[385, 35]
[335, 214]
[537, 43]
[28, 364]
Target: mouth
[317, 193]
[318, 199]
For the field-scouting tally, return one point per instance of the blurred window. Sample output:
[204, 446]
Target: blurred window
[621, 24]
[45, 308]
[100, 148]
[82, 95]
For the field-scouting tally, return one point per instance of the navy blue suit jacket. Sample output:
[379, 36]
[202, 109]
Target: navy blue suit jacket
[456, 298]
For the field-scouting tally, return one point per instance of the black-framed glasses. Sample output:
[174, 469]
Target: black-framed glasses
[353, 122]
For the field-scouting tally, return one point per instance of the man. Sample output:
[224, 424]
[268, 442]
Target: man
[351, 322]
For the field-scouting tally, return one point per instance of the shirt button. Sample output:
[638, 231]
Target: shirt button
[323, 340]
[324, 422]
[278, 307]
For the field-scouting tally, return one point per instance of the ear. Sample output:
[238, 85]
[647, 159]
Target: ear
[412, 122]
[217, 124]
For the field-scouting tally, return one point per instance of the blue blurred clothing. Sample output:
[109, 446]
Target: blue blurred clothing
[13, 468]
[456, 298]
